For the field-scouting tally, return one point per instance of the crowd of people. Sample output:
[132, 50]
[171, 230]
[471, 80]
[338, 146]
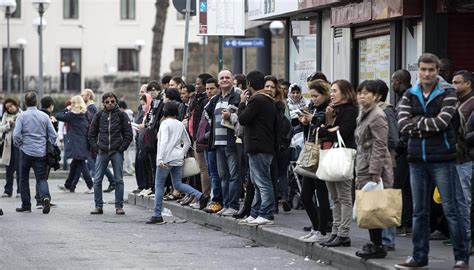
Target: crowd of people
[240, 133]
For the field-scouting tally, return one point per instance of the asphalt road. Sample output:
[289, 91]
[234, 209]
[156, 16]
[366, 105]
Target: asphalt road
[69, 237]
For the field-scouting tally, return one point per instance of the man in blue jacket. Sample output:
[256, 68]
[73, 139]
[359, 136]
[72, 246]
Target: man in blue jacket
[425, 115]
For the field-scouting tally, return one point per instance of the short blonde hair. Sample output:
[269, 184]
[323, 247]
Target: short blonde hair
[78, 105]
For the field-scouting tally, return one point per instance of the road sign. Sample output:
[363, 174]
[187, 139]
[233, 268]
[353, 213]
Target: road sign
[180, 6]
[244, 43]
[221, 18]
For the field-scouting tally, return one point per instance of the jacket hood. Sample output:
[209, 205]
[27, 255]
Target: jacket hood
[267, 93]
[441, 87]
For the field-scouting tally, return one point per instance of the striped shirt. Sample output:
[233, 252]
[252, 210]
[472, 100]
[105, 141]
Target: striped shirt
[220, 132]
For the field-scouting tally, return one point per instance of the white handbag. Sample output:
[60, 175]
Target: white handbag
[337, 163]
[190, 167]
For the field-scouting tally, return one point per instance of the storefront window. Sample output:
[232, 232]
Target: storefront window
[374, 58]
[302, 51]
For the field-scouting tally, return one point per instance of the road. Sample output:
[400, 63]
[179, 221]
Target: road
[69, 237]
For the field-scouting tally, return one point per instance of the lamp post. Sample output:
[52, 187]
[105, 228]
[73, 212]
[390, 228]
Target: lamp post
[41, 6]
[277, 27]
[9, 7]
[139, 44]
[21, 42]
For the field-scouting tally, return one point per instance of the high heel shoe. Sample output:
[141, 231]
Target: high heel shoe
[339, 242]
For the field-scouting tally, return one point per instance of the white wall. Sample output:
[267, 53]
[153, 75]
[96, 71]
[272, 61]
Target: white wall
[102, 34]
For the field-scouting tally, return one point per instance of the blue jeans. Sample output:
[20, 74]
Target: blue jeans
[211, 160]
[388, 237]
[422, 176]
[176, 178]
[40, 167]
[463, 193]
[260, 175]
[228, 168]
[91, 167]
[100, 167]
[11, 169]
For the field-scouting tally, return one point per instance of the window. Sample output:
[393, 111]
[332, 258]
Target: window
[70, 9]
[127, 60]
[70, 69]
[127, 9]
[17, 13]
[16, 65]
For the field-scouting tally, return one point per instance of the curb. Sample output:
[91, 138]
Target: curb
[271, 236]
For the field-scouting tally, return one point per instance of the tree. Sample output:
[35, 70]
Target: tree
[158, 33]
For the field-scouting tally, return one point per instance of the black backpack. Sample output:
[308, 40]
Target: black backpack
[283, 129]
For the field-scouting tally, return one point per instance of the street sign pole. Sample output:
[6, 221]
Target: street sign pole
[186, 35]
[221, 44]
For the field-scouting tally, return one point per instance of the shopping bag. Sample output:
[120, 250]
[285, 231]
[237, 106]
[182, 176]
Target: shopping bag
[308, 160]
[378, 209]
[367, 187]
[337, 163]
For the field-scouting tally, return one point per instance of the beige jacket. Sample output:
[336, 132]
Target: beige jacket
[8, 141]
[373, 156]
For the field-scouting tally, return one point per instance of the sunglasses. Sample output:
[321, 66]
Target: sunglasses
[109, 102]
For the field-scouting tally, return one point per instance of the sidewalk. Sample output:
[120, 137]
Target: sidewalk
[288, 228]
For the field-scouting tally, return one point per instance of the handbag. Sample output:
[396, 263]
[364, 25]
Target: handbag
[53, 153]
[378, 209]
[308, 160]
[190, 167]
[337, 163]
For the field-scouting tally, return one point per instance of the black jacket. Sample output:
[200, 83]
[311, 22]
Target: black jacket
[319, 117]
[346, 120]
[110, 131]
[258, 119]
[77, 132]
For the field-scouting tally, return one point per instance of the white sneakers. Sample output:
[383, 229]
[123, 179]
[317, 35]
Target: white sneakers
[314, 237]
[229, 212]
[259, 221]
[145, 192]
[221, 211]
[89, 191]
[246, 221]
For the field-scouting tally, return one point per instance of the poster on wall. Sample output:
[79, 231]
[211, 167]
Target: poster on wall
[221, 17]
[374, 59]
[302, 52]
[413, 50]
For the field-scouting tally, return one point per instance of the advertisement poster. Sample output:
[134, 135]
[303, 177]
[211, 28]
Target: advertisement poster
[221, 17]
[374, 59]
[302, 53]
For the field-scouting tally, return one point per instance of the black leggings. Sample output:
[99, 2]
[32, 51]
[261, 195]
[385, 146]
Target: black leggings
[376, 236]
[318, 220]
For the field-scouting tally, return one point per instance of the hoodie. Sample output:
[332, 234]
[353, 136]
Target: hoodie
[427, 122]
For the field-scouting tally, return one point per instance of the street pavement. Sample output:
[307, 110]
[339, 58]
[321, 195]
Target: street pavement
[69, 237]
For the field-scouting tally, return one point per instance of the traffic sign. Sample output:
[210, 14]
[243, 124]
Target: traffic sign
[244, 43]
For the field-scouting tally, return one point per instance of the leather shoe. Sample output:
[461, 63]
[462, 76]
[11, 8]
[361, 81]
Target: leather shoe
[97, 211]
[339, 242]
[331, 238]
[371, 251]
[243, 212]
[109, 189]
[187, 200]
[1, 212]
[21, 209]
[46, 206]
[119, 211]
[203, 201]
[155, 220]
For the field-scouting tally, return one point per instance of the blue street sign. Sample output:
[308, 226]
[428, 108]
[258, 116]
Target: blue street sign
[244, 43]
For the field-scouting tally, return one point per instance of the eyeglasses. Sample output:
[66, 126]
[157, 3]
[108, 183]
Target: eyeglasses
[109, 102]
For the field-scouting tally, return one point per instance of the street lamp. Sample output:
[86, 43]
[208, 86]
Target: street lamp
[277, 28]
[41, 6]
[9, 7]
[21, 42]
[139, 44]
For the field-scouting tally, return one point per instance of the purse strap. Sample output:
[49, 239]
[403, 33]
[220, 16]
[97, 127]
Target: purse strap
[309, 131]
[340, 141]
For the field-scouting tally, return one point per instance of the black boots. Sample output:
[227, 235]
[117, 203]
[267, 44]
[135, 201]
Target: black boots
[371, 251]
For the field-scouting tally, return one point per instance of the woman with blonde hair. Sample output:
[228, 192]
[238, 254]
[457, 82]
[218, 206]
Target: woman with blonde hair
[75, 116]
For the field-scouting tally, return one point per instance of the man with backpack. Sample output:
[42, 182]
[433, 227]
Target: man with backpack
[110, 134]
[89, 96]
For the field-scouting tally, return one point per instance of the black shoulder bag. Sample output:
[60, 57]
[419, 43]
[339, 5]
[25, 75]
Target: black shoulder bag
[53, 153]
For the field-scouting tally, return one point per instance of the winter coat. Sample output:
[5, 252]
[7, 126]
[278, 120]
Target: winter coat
[6, 129]
[427, 123]
[346, 120]
[110, 131]
[77, 133]
[196, 109]
[319, 118]
[470, 135]
[373, 156]
[258, 119]
[465, 109]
